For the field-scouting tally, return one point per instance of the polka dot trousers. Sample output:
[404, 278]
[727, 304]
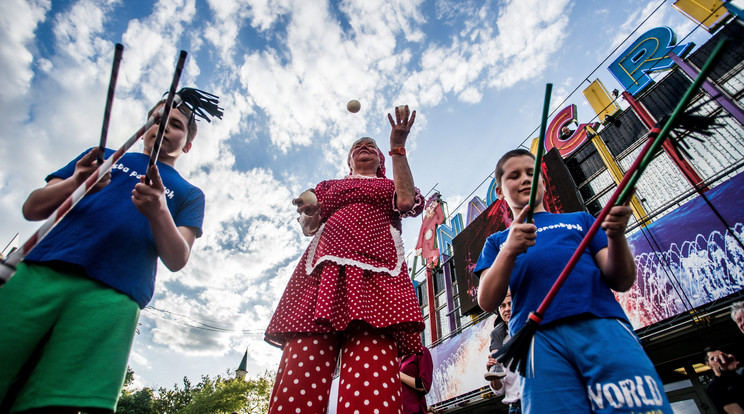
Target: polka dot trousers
[369, 374]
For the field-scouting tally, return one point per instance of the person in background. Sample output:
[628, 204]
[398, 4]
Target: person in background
[509, 384]
[737, 314]
[726, 389]
[498, 333]
[566, 132]
[416, 372]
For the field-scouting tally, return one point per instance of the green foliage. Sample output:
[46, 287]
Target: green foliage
[138, 402]
[173, 401]
[134, 402]
[220, 395]
[129, 377]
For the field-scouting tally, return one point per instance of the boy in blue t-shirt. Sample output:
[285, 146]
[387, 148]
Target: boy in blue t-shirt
[70, 311]
[584, 356]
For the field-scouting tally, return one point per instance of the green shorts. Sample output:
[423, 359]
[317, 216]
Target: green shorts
[64, 340]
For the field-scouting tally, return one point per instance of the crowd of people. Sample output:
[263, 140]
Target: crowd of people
[349, 304]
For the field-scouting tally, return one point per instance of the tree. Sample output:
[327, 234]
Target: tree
[173, 401]
[210, 396]
[228, 395]
[134, 402]
[259, 394]
[138, 402]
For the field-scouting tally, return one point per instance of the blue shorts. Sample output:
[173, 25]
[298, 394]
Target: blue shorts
[591, 365]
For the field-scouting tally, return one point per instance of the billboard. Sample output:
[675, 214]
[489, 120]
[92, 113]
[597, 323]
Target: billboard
[460, 362]
[689, 257]
[468, 245]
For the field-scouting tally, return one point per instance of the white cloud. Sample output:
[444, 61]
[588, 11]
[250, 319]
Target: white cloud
[249, 237]
[481, 55]
[264, 13]
[18, 21]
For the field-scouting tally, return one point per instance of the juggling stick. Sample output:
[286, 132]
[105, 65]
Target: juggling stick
[514, 353]
[166, 114]
[118, 50]
[8, 266]
[540, 151]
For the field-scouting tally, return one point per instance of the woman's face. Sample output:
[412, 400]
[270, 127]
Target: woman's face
[364, 157]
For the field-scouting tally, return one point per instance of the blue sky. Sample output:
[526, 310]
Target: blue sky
[474, 70]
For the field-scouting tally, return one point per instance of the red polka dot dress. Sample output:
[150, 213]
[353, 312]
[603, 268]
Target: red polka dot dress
[354, 268]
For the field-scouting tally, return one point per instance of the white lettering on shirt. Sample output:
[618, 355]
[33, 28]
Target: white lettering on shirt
[168, 192]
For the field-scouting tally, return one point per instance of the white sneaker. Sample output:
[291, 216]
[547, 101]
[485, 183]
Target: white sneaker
[495, 372]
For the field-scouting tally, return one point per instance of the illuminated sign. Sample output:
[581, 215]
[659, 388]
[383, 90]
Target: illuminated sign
[475, 208]
[646, 55]
[446, 233]
[566, 143]
[491, 196]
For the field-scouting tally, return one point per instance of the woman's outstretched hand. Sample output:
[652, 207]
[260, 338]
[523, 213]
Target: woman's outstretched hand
[401, 126]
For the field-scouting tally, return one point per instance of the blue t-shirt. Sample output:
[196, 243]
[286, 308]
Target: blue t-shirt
[105, 234]
[558, 236]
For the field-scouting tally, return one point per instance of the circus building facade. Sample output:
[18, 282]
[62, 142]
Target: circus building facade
[686, 233]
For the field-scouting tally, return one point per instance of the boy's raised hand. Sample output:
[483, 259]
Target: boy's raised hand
[616, 221]
[86, 166]
[150, 199]
[521, 235]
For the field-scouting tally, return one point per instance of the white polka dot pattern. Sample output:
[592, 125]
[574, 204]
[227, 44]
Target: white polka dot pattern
[361, 387]
[358, 234]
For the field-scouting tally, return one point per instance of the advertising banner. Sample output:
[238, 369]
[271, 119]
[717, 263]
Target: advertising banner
[689, 257]
[468, 245]
[459, 363]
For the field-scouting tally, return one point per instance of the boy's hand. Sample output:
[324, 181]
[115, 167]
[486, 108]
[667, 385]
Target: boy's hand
[87, 166]
[150, 199]
[616, 222]
[521, 235]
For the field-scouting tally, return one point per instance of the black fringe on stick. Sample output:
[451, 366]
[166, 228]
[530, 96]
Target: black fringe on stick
[200, 103]
[514, 354]
[687, 127]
